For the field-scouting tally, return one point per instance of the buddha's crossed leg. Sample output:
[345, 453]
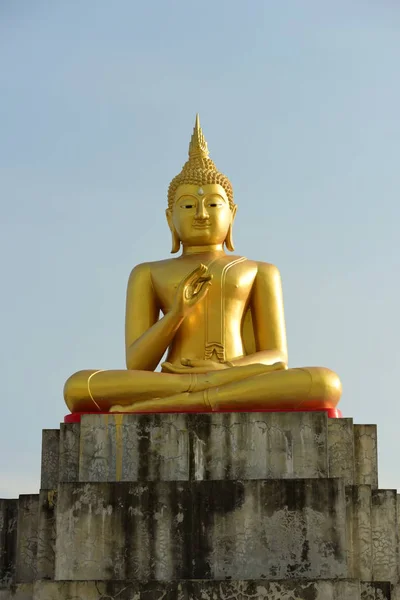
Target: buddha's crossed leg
[91, 391]
[237, 388]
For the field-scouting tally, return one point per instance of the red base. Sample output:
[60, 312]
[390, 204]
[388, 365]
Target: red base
[332, 413]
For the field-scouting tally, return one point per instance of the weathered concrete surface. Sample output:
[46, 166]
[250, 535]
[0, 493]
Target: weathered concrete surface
[258, 446]
[132, 447]
[377, 590]
[22, 591]
[359, 531]
[182, 447]
[46, 539]
[341, 449]
[395, 593]
[50, 458]
[199, 590]
[269, 529]
[366, 455]
[27, 535]
[69, 452]
[398, 539]
[8, 540]
[384, 535]
[225, 498]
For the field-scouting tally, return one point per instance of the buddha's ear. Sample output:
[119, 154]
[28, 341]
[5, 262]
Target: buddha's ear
[229, 236]
[176, 242]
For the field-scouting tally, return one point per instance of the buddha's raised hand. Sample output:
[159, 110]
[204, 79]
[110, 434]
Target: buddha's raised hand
[191, 290]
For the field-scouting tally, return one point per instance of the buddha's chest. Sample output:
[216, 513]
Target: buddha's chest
[231, 285]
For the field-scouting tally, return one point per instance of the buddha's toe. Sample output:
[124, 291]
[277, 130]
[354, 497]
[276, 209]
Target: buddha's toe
[325, 390]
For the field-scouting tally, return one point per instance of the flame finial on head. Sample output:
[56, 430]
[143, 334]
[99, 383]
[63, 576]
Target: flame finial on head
[199, 169]
[198, 145]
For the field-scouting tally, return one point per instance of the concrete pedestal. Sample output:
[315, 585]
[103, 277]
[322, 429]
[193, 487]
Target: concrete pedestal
[180, 506]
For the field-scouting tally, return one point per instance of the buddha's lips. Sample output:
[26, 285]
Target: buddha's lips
[201, 225]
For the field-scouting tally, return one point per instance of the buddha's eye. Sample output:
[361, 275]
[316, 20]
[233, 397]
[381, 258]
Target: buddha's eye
[187, 206]
[214, 204]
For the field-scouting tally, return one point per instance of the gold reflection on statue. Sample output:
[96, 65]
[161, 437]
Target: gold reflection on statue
[222, 319]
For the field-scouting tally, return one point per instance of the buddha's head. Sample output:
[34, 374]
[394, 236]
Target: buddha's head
[200, 209]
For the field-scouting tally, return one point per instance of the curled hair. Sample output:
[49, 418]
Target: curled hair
[199, 171]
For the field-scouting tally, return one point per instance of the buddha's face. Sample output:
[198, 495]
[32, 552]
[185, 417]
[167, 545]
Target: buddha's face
[201, 215]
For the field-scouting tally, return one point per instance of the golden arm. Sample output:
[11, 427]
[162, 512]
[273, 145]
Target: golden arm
[268, 320]
[146, 337]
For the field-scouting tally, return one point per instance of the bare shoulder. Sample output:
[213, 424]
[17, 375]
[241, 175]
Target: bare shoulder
[141, 275]
[148, 269]
[267, 269]
[243, 260]
[267, 282]
[261, 267]
[161, 266]
[140, 271]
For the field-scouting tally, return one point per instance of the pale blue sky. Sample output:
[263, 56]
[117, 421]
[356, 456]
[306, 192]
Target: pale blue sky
[299, 101]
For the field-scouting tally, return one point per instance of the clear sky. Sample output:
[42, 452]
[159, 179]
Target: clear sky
[299, 102]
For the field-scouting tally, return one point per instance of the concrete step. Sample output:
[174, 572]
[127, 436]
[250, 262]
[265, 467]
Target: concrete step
[183, 447]
[192, 590]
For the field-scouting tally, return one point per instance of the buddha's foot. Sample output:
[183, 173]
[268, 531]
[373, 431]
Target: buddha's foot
[177, 403]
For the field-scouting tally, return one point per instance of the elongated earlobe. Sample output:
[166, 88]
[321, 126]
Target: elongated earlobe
[229, 240]
[176, 242]
[229, 237]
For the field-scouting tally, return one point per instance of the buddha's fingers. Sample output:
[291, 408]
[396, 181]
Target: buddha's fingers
[202, 290]
[205, 365]
[195, 275]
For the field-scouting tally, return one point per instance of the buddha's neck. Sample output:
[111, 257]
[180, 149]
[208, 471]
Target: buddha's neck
[210, 249]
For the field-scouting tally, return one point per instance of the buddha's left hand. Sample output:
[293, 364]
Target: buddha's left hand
[192, 365]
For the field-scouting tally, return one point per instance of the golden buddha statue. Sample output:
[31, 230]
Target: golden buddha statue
[222, 320]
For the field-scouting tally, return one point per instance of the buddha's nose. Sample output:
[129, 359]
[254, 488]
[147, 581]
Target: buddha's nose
[201, 213]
